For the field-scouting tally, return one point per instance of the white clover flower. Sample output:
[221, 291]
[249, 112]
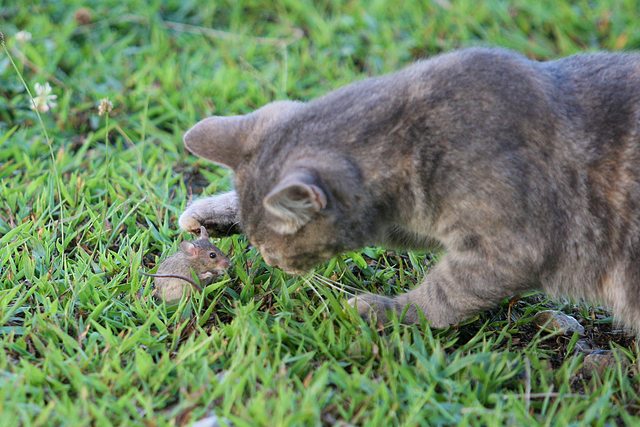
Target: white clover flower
[104, 106]
[43, 101]
[23, 36]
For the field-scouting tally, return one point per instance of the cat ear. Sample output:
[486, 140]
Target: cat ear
[227, 140]
[294, 201]
[219, 139]
[189, 248]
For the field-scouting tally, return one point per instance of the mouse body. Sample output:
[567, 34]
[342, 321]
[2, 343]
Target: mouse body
[200, 258]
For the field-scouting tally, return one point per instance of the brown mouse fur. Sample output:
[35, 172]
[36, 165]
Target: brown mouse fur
[174, 275]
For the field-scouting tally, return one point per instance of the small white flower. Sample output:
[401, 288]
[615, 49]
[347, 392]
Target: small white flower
[104, 106]
[23, 36]
[43, 101]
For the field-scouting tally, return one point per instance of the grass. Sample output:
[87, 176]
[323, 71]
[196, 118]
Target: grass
[82, 341]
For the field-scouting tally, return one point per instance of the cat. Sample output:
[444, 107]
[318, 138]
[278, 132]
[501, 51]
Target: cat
[527, 173]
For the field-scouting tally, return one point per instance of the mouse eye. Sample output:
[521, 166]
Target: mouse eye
[212, 255]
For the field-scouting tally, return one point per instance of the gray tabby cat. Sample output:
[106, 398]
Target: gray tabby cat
[527, 173]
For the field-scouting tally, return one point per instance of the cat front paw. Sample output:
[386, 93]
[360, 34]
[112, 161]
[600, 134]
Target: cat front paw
[218, 214]
[189, 222]
[373, 307]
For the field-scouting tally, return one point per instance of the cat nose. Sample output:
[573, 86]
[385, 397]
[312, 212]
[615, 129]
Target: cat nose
[273, 262]
[270, 259]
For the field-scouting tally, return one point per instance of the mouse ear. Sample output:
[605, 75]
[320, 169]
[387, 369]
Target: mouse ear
[203, 233]
[189, 248]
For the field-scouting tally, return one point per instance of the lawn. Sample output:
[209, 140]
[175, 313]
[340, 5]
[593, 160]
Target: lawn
[87, 201]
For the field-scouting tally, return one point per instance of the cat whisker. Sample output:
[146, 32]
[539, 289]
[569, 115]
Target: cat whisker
[338, 287]
[315, 291]
[338, 284]
[232, 226]
[323, 283]
[333, 286]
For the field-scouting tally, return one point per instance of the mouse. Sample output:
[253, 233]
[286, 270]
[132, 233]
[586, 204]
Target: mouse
[175, 275]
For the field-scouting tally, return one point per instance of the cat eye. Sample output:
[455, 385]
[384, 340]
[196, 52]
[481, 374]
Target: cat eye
[212, 255]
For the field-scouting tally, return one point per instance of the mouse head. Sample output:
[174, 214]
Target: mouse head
[204, 255]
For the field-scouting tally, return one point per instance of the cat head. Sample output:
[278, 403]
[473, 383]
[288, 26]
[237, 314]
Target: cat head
[298, 199]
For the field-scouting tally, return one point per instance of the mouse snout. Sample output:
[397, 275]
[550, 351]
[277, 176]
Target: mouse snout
[223, 263]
